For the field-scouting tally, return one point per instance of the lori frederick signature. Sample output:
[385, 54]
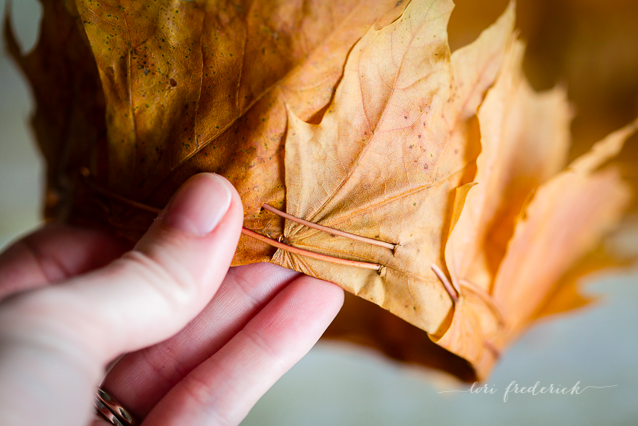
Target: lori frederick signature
[536, 389]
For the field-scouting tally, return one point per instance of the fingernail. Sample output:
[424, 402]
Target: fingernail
[199, 205]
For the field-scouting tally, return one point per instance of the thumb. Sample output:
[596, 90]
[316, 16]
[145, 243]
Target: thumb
[140, 299]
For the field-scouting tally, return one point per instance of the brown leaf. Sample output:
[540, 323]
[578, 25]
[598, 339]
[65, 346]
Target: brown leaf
[190, 87]
[387, 174]
[524, 140]
[68, 124]
[451, 162]
[563, 221]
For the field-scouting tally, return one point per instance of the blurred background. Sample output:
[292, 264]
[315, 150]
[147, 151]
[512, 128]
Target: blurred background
[591, 46]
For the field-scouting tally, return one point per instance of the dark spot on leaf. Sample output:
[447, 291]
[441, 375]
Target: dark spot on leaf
[173, 82]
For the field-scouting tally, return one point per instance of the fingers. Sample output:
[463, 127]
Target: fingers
[223, 389]
[144, 297]
[154, 290]
[140, 379]
[55, 253]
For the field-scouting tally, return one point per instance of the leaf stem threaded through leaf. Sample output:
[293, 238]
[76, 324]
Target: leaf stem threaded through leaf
[302, 252]
[329, 230]
[312, 254]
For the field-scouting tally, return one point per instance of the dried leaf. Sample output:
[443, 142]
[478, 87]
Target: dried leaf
[388, 173]
[353, 115]
[563, 221]
[182, 95]
[69, 125]
[524, 140]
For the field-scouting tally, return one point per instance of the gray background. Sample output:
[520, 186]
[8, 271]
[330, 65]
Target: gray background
[340, 384]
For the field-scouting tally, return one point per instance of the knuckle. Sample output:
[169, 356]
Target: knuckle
[173, 283]
[263, 346]
[247, 289]
[166, 364]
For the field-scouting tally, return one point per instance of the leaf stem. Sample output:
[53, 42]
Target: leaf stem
[308, 253]
[486, 297]
[455, 294]
[245, 231]
[124, 200]
[329, 230]
[451, 291]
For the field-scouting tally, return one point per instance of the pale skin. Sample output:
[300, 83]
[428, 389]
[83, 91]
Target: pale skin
[202, 343]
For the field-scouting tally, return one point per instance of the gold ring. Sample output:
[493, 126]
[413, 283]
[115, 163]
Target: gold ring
[112, 411]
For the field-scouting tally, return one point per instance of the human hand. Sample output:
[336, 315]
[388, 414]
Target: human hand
[202, 346]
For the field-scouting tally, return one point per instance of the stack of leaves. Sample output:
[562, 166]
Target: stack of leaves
[431, 184]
